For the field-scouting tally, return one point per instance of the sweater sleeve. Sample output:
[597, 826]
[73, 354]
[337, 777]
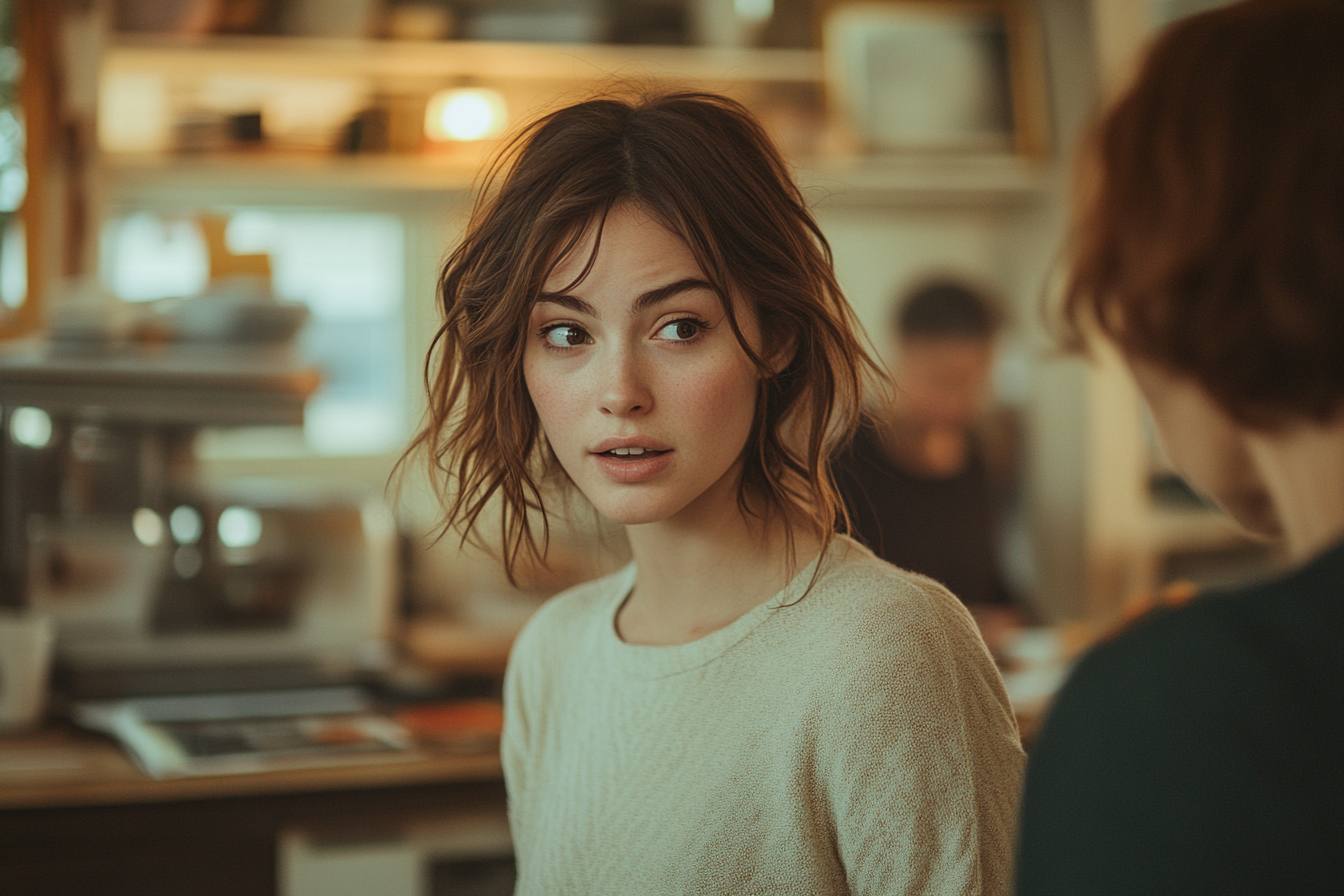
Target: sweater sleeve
[924, 759]
[522, 702]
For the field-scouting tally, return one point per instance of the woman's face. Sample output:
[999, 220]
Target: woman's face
[642, 389]
[943, 381]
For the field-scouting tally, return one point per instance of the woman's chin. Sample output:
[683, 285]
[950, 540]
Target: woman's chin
[632, 513]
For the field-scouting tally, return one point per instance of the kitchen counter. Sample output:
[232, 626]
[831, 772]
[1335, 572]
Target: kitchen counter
[76, 817]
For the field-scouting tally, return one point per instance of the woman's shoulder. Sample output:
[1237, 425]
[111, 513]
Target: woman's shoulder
[894, 648]
[869, 604]
[857, 580]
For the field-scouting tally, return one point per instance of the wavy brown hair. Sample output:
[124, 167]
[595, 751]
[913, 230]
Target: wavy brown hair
[701, 165]
[1209, 238]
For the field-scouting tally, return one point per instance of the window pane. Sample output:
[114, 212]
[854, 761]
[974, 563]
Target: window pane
[347, 267]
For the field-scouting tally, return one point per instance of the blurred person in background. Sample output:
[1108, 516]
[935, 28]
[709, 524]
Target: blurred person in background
[927, 479]
[1200, 750]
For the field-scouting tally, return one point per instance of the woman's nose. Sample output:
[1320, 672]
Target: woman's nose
[625, 389]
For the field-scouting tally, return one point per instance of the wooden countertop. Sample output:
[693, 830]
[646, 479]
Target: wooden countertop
[63, 766]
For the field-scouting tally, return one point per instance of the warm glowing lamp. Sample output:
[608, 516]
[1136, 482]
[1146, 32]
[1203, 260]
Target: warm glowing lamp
[465, 113]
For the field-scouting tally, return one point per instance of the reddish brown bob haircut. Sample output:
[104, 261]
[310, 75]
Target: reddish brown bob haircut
[702, 166]
[1209, 238]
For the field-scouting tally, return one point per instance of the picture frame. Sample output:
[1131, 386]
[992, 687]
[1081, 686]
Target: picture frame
[936, 76]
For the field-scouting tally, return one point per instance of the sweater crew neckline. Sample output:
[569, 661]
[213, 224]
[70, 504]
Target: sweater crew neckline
[650, 661]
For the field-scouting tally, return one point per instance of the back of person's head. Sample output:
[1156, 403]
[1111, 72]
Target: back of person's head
[702, 167]
[1210, 236]
[946, 308]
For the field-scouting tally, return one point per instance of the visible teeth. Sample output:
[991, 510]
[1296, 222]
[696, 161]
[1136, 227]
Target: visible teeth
[622, 452]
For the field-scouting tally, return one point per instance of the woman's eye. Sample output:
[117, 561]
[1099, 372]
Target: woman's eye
[564, 336]
[680, 330]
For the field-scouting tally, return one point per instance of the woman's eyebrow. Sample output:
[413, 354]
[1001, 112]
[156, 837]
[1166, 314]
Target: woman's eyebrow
[573, 303]
[663, 293]
[645, 301]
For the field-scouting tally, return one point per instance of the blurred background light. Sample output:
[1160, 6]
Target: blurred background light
[187, 561]
[185, 523]
[754, 10]
[148, 527]
[13, 264]
[148, 257]
[133, 114]
[30, 427]
[465, 113]
[239, 527]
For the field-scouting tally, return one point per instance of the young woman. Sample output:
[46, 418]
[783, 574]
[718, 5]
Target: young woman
[643, 310]
[1200, 751]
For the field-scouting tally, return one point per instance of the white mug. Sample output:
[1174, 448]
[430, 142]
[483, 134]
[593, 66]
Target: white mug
[26, 641]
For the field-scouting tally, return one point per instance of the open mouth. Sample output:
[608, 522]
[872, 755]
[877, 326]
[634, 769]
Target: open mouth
[631, 453]
[632, 464]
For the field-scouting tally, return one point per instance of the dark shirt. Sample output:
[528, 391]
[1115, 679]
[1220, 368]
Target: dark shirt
[1200, 752]
[943, 527]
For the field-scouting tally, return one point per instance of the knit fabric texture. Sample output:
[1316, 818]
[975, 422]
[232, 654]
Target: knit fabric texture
[854, 738]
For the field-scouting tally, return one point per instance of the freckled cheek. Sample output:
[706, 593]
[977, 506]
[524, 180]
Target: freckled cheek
[717, 395]
[551, 399]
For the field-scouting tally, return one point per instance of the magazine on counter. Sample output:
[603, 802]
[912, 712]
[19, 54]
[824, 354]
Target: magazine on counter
[224, 734]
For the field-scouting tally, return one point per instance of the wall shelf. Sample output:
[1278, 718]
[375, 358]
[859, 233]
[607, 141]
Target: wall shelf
[924, 181]
[427, 60]
[185, 384]
[268, 176]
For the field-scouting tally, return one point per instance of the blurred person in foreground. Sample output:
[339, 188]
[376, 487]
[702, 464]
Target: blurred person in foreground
[1200, 751]
[926, 480]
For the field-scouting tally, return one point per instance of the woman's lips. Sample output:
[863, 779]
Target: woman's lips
[630, 468]
[628, 443]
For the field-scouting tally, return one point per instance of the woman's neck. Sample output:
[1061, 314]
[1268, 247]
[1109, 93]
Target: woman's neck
[1303, 470]
[697, 576]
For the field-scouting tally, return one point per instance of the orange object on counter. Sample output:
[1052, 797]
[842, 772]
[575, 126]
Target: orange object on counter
[463, 725]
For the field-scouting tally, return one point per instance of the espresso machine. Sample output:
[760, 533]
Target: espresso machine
[157, 584]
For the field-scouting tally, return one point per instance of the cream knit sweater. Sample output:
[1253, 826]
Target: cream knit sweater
[853, 740]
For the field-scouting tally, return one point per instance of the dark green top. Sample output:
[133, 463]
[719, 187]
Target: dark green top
[1202, 751]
